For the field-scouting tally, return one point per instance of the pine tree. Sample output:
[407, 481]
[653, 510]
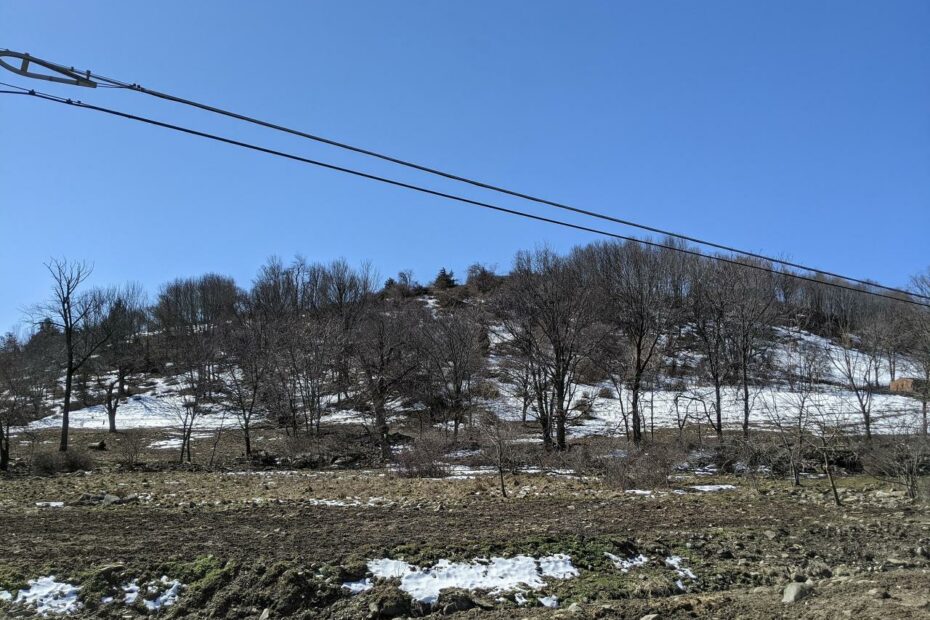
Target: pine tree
[444, 280]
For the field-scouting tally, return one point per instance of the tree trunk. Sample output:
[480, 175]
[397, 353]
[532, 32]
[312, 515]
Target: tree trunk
[4, 447]
[637, 427]
[718, 404]
[111, 405]
[66, 409]
[826, 464]
[500, 467]
[248, 439]
[745, 400]
[383, 430]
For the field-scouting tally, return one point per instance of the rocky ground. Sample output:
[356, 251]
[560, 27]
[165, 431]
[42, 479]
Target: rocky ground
[280, 543]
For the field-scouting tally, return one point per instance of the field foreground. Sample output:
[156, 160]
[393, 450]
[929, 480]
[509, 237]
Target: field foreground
[186, 543]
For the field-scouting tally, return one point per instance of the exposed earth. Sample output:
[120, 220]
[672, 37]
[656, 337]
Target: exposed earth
[280, 543]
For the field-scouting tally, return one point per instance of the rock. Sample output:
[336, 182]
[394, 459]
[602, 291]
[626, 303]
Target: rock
[651, 617]
[454, 600]
[99, 446]
[265, 614]
[771, 535]
[879, 594]
[574, 609]
[389, 602]
[795, 592]
[110, 500]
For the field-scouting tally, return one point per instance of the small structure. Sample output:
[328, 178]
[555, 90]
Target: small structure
[908, 385]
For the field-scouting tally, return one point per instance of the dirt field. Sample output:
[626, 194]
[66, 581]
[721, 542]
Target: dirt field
[281, 543]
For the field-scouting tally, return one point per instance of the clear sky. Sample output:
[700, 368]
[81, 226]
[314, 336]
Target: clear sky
[794, 128]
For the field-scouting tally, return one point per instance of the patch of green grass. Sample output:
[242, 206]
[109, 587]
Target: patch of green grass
[12, 580]
[98, 583]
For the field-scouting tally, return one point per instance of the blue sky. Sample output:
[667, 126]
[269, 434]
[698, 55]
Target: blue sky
[800, 129]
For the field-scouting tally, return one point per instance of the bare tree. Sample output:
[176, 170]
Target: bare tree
[640, 287]
[14, 392]
[80, 317]
[452, 344]
[750, 316]
[709, 310]
[385, 356]
[248, 364]
[546, 311]
[854, 363]
[499, 439]
[123, 352]
[918, 348]
[791, 419]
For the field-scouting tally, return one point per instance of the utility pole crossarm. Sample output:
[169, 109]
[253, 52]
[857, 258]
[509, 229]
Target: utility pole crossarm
[73, 77]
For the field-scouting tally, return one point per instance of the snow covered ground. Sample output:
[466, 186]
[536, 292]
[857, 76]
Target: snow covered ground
[161, 407]
[140, 411]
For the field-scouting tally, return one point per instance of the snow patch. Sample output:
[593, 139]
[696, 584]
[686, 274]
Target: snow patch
[549, 601]
[49, 596]
[496, 575]
[674, 562]
[710, 488]
[625, 564]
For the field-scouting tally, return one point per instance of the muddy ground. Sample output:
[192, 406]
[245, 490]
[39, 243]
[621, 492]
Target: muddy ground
[281, 542]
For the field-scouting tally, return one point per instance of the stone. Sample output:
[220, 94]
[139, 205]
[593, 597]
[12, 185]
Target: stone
[454, 600]
[651, 617]
[110, 500]
[794, 592]
[265, 614]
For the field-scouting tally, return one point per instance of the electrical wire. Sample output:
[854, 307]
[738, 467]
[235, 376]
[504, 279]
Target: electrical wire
[114, 83]
[441, 194]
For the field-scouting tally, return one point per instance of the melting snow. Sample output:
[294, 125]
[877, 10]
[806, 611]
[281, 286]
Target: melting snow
[625, 564]
[549, 601]
[49, 596]
[167, 598]
[710, 488]
[162, 593]
[496, 575]
[50, 504]
[674, 562]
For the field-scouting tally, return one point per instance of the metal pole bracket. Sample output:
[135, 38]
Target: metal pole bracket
[72, 77]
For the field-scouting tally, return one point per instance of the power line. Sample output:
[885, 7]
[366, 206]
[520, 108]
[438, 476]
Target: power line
[432, 192]
[114, 83]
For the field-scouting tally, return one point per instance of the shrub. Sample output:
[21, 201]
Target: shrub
[48, 463]
[647, 467]
[423, 458]
[130, 446]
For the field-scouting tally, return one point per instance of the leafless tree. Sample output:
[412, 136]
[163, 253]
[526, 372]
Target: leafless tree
[81, 319]
[192, 315]
[546, 312]
[385, 358]
[790, 413]
[248, 365]
[640, 288]
[452, 344]
[14, 392]
[854, 362]
[709, 312]
[499, 438]
[122, 354]
[918, 348]
[750, 317]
